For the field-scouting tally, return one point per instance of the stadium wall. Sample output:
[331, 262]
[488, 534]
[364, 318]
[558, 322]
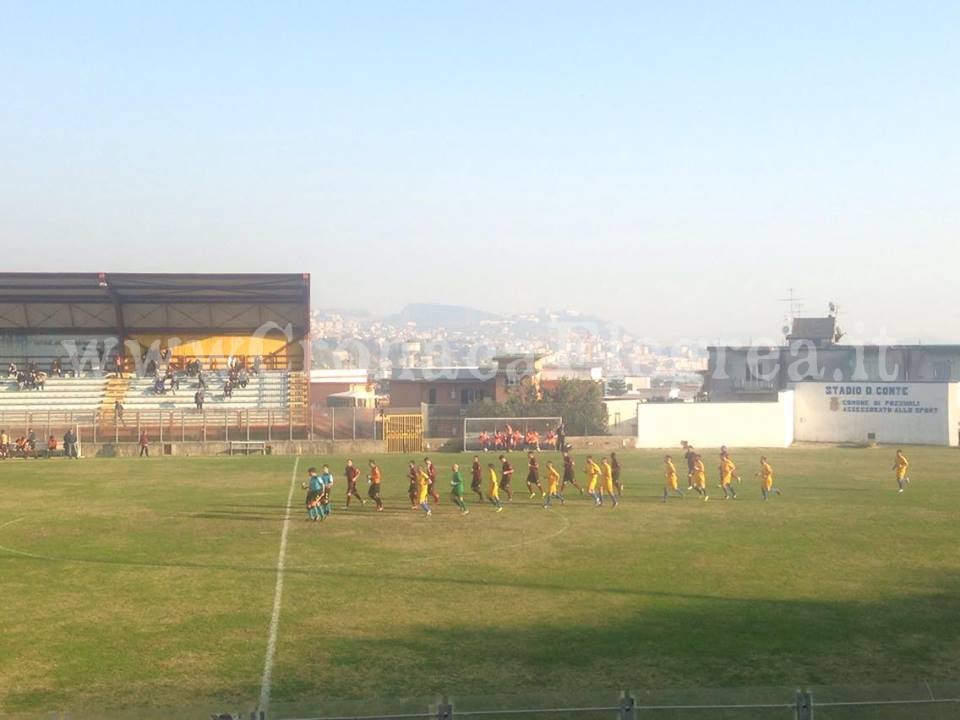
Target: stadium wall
[712, 424]
[908, 413]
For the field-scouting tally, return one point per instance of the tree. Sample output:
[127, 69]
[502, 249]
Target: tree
[617, 386]
[578, 402]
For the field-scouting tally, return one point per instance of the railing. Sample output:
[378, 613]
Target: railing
[173, 426]
[924, 701]
[755, 386]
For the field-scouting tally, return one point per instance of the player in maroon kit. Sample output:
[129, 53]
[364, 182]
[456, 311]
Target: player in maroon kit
[533, 476]
[506, 475]
[476, 477]
[432, 474]
[412, 490]
[352, 472]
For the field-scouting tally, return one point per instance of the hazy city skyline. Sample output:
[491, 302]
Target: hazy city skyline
[672, 169]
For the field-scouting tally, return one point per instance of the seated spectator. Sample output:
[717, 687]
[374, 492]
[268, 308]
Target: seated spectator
[227, 390]
[159, 387]
[56, 368]
[242, 378]
[51, 445]
[12, 370]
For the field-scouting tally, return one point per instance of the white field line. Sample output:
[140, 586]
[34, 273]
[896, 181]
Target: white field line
[277, 600]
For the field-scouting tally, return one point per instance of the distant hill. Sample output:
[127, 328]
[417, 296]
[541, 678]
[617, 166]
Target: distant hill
[428, 315]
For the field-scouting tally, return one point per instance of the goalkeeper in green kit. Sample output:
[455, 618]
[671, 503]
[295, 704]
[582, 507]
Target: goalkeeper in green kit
[456, 483]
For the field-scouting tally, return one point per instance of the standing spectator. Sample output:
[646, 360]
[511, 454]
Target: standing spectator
[118, 411]
[56, 368]
[69, 444]
[257, 364]
[144, 443]
[198, 399]
[118, 365]
[561, 437]
[4, 443]
[31, 442]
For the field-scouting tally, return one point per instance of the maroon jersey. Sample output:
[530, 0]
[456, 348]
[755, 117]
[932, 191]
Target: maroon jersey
[533, 471]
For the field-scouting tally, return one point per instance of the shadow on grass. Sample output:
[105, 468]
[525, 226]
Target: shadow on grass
[679, 640]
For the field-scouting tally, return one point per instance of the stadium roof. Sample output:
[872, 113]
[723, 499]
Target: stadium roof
[148, 302]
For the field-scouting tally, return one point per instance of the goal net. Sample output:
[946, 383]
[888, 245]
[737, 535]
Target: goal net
[510, 433]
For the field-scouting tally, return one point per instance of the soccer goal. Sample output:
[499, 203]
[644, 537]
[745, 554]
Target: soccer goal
[509, 433]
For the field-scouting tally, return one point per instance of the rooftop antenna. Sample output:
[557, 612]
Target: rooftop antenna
[794, 306]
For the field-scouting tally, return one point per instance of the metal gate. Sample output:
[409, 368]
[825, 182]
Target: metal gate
[404, 433]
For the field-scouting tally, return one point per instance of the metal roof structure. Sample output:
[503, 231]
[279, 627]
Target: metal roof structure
[127, 303]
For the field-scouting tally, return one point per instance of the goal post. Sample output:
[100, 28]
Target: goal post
[491, 434]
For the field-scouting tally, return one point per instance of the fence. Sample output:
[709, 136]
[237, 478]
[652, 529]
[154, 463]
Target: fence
[161, 425]
[925, 701]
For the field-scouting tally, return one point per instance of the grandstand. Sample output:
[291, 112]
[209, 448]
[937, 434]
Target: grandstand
[97, 339]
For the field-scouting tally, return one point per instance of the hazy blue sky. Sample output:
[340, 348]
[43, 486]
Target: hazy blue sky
[673, 166]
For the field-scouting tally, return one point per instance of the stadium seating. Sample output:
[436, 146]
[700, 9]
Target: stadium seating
[81, 394]
[268, 390]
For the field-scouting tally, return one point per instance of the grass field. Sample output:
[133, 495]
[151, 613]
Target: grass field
[150, 583]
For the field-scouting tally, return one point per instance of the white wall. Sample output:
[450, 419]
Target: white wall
[622, 415]
[712, 424]
[909, 413]
[953, 414]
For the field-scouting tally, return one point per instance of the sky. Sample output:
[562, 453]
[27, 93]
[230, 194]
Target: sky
[673, 167]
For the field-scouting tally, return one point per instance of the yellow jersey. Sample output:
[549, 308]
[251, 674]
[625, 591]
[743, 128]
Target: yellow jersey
[670, 474]
[900, 466]
[423, 486]
[727, 468]
[553, 478]
[494, 483]
[766, 475]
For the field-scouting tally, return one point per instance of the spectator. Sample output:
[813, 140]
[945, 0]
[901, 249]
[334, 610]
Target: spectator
[12, 370]
[118, 365]
[144, 444]
[56, 368]
[118, 411]
[198, 399]
[51, 446]
[257, 365]
[70, 444]
[4, 445]
[32, 442]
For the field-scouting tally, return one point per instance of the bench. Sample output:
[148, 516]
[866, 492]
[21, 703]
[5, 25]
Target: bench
[247, 446]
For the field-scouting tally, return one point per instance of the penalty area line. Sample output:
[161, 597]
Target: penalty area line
[277, 600]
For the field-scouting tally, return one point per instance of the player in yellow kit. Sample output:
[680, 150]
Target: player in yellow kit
[766, 479]
[900, 465]
[699, 477]
[592, 471]
[493, 494]
[423, 490]
[553, 485]
[606, 482]
[670, 478]
[727, 473]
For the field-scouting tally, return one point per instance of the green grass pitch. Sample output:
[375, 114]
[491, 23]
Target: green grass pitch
[150, 583]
